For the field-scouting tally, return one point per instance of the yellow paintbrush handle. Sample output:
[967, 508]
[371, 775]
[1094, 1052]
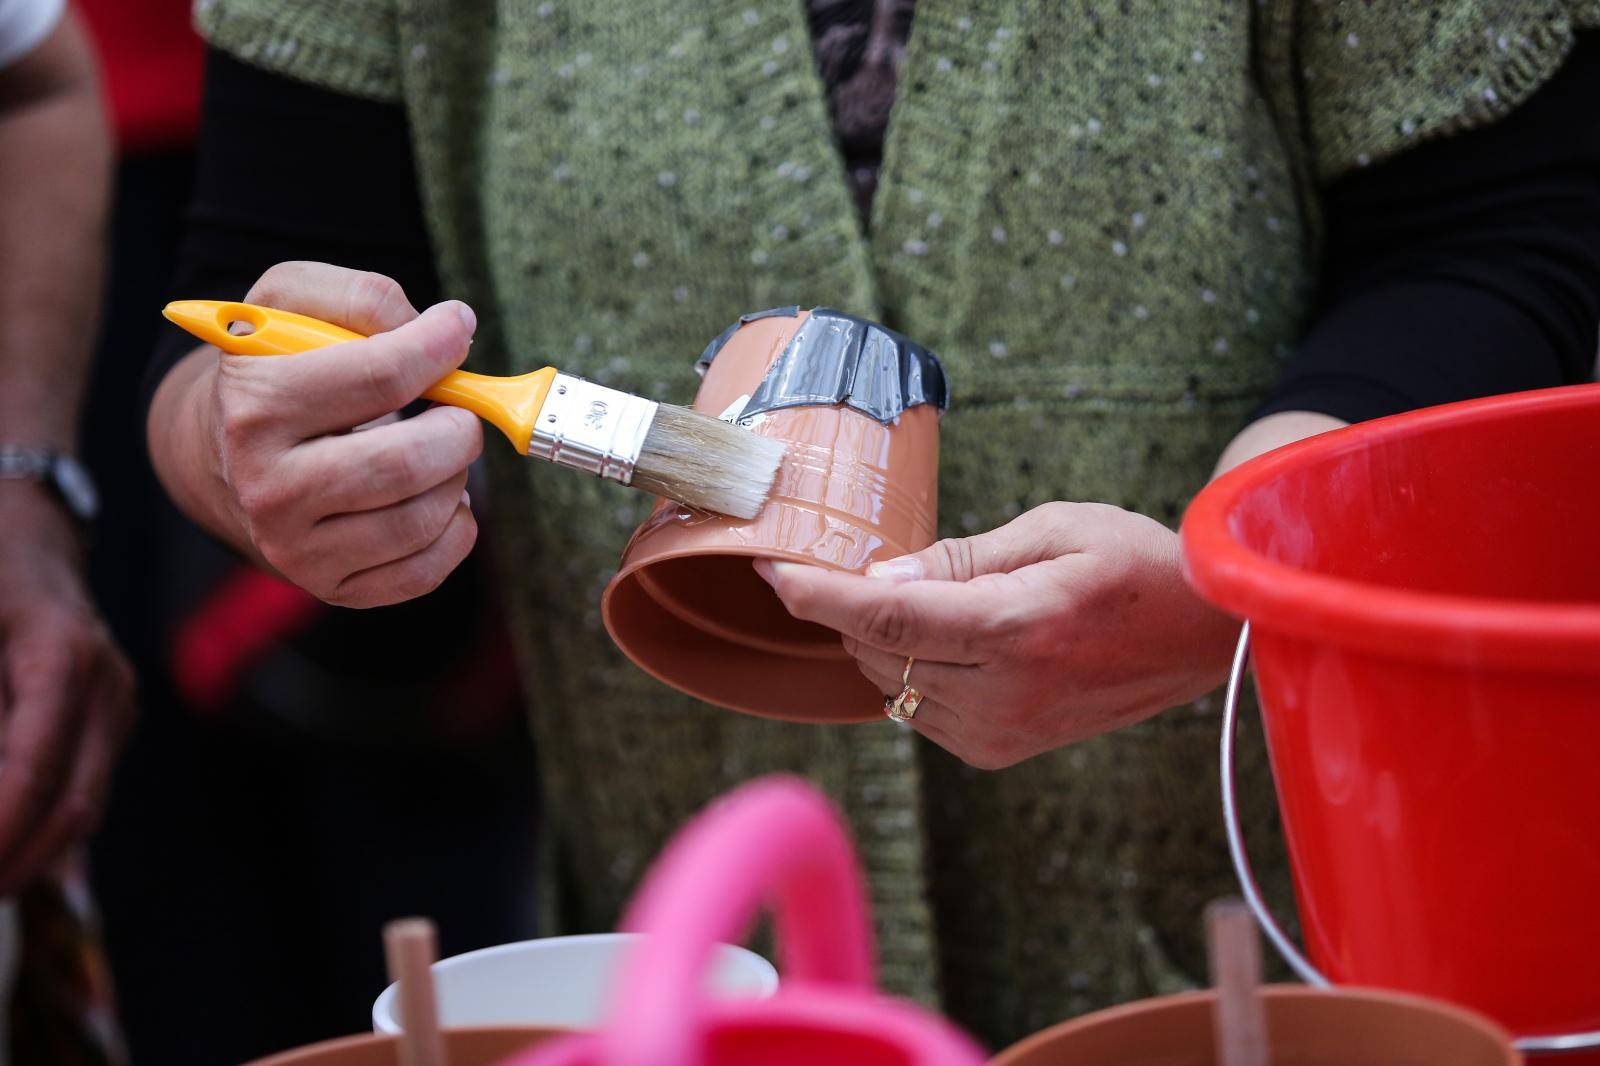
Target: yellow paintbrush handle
[512, 404]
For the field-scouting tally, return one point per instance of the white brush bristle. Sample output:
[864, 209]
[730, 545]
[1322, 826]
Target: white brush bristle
[706, 463]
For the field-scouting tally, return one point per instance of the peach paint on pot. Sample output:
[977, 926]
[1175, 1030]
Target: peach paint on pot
[860, 407]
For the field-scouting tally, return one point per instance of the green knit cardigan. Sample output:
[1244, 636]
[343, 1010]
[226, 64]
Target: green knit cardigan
[1103, 217]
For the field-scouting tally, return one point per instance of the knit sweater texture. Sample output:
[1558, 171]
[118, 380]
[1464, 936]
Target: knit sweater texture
[1102, 216]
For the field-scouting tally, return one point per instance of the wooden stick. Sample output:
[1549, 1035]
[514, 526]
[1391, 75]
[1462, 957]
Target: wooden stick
[410, 946]
[1239, 1020]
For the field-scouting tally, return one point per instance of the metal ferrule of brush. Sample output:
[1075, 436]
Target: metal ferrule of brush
[593, 428]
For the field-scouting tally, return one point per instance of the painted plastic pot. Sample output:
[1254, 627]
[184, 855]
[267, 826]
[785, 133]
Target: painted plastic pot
[559, 981]
[860, 407]
[776, 839]
[1305, 1027]
[1423, 593]
[466, 1047]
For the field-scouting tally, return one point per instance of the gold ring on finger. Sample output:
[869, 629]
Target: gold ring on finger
[903, 708]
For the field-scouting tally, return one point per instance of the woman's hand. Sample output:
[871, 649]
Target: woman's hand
[258, 449]
[1068, 622]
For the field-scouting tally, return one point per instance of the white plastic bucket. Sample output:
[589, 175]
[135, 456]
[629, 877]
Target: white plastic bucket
[557, 982]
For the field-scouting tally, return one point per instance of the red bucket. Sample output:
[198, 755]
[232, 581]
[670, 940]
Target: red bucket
[1424, 595]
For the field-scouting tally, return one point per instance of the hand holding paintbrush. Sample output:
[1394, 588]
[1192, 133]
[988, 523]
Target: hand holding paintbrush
[259, 450]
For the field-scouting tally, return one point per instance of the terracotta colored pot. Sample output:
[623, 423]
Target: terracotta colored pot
[855, 488]
[1305, 1026]
[465, 1046]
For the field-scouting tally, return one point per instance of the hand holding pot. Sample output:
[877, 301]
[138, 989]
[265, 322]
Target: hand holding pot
[1068, 622]
[258, 449]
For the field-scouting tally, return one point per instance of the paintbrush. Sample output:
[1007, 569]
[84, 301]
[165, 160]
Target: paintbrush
[671, 451]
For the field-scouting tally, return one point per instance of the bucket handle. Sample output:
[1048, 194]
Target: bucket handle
[1531, 1045]
[774, 841]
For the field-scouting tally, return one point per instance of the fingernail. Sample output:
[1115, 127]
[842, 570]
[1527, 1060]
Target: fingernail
[763, 568]
[770, 570]
[466, 499]
[468, 317]
[905, 568]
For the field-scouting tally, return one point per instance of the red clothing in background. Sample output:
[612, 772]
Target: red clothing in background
[151, 60]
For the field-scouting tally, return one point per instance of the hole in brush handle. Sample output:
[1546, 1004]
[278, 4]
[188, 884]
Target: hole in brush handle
[240, 320]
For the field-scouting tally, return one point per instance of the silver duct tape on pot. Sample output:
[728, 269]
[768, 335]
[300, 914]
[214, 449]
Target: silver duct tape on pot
[838, 358]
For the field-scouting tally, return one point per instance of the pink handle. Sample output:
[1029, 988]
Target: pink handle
[777, 838]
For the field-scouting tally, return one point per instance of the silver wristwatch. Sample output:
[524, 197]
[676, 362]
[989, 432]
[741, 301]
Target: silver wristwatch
[67, 477]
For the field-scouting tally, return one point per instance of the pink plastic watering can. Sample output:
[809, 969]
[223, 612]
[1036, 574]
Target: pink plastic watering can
[776, 839]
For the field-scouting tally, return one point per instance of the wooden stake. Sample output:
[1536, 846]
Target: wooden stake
[1239, 1019]
[410, 946]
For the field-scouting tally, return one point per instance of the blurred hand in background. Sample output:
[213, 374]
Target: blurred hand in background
[66, 692]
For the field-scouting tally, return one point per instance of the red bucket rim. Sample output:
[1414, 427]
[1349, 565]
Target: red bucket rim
[1424, 626]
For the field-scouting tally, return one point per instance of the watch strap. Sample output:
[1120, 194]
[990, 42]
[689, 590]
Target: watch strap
[62, 473]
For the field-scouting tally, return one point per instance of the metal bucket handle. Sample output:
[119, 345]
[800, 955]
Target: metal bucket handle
[1532, 1045]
